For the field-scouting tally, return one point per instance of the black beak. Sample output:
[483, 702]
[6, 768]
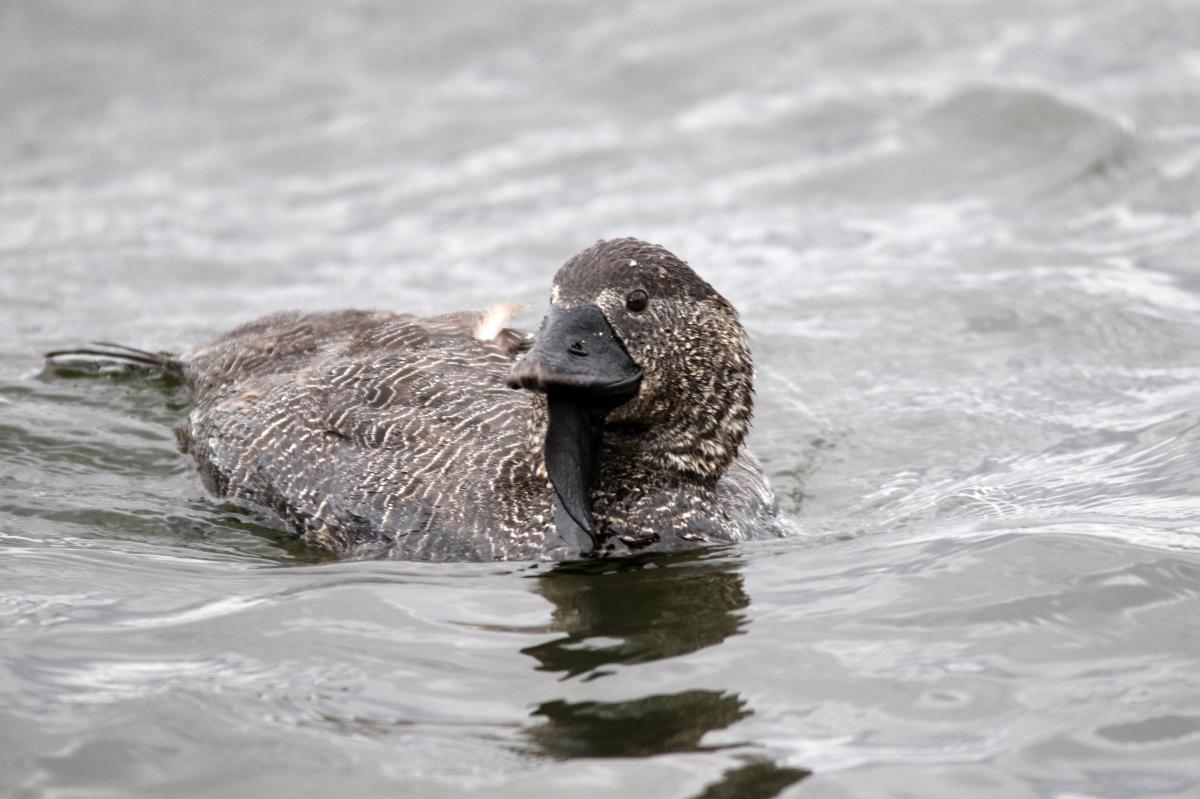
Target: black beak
[583, 368]
[577, 352]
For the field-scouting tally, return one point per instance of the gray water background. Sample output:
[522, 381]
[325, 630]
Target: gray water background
[963, 236]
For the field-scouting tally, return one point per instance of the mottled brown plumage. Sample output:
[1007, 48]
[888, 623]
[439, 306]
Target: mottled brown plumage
[383, 433]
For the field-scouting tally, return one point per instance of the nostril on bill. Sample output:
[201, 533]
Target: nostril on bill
[577, 348]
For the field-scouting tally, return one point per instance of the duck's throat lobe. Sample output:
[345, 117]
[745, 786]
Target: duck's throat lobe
[572, 460]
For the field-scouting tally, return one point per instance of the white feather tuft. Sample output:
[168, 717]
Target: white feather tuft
[493, 321]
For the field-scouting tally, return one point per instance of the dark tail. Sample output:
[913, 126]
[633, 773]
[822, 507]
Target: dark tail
[104, 356]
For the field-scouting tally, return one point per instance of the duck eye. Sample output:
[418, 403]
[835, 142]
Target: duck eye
[637, 300]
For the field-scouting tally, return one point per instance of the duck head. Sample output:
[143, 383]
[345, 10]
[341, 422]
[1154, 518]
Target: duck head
[642, 356]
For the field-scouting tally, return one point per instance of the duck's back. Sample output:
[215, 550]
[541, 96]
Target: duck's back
[371, 430]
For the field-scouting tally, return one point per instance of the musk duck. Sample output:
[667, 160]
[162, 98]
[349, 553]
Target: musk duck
[617, 427]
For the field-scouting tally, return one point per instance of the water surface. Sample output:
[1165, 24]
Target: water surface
[963, 237]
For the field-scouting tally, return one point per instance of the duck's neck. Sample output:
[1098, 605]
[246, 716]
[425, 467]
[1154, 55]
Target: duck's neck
[652, 496]
[639, 458]
[688, 434]
[690, 441]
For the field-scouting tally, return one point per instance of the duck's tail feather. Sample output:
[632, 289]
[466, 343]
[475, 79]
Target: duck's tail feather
[105, 356]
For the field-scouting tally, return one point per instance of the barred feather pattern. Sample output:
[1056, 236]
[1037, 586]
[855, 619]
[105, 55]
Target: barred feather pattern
[372, 433]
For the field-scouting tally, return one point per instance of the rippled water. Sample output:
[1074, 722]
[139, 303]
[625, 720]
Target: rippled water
[963, 236]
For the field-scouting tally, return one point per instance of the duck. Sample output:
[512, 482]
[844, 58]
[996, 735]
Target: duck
[619, 426]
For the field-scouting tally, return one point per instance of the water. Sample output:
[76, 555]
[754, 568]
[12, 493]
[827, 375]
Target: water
[963, 236]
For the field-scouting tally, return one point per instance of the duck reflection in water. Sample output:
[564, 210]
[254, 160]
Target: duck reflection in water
[638, 610]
